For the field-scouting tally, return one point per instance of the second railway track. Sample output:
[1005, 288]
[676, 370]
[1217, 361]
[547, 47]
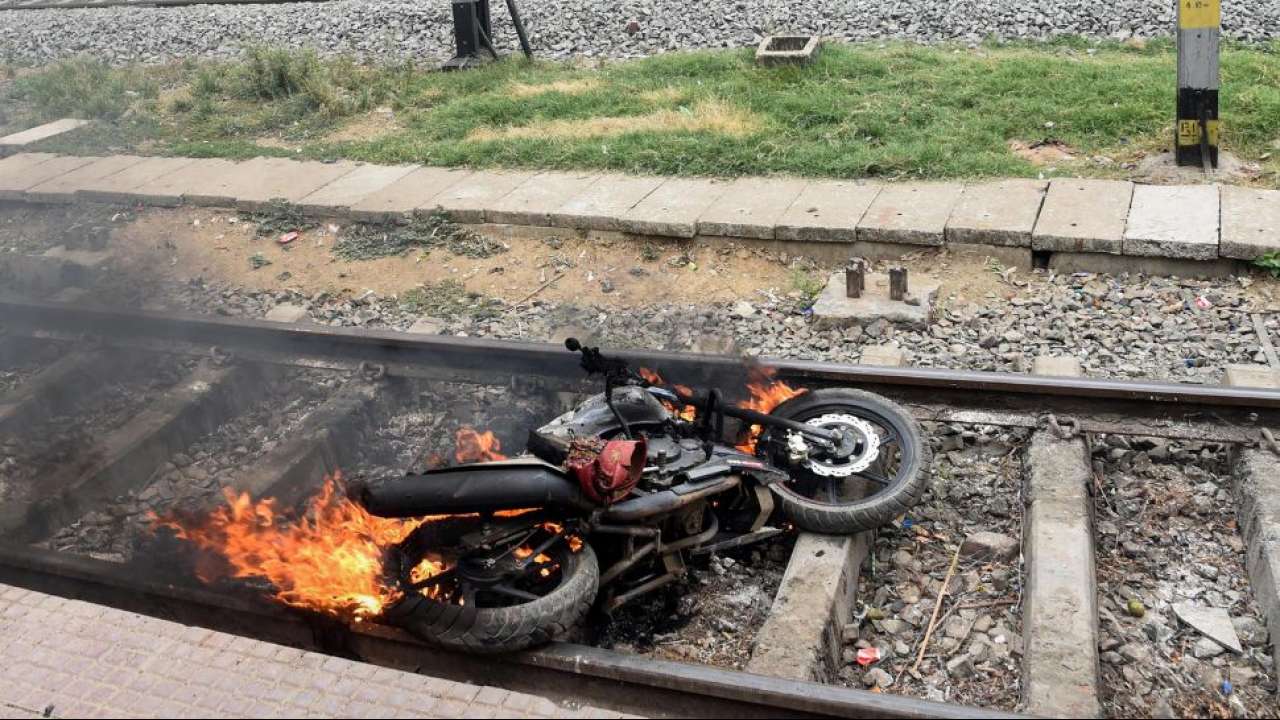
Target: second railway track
[222, 369]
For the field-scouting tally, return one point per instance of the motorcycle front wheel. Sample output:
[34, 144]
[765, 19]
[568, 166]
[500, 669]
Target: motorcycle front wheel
[501, 599]
[883, 476]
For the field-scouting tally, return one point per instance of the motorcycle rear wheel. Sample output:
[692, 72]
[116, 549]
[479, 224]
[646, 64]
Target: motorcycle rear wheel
[484, 626]
[835, 505]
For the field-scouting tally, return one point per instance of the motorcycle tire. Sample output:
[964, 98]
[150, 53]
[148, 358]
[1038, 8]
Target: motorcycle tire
[505, 629]
[903, 492]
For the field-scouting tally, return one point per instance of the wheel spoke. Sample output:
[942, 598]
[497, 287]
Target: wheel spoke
[517, 593]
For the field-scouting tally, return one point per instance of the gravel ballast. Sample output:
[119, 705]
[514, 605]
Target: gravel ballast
[398, 29]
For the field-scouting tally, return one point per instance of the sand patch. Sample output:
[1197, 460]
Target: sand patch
[1042, 152]
[370, 126]
[714, 116]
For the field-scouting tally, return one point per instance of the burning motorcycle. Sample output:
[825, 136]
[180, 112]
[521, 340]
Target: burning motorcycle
[617, 495]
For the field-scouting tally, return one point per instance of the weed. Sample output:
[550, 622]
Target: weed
[258, 260]
[449, 299]
[649, 253]
[808, 285]
[279, 217]
[1269, 262]
[84, 88]
[367, 241]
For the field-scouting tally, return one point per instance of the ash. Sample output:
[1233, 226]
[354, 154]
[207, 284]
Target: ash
[1166, 534]
[194, 479]
[711, 617]
[975, 654]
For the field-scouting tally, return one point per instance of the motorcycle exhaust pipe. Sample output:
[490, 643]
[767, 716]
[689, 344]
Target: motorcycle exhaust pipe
[471, 489]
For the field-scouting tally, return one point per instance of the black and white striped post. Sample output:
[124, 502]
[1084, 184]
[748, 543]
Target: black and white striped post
[1196, 136]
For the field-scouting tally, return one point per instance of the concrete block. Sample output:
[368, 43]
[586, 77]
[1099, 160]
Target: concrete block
[1069, 262]
[15, 141]
[22, 172]
[203, 182]
[533, 202]
[883, 355]
[65, 187]
[1060, 366]
[601, 205]
[802, 637]
[263, 179]
[121, 187]
[1250, 222]
[1083, 216]
[286, 313]
[411, 192]
[750, 208]
[1174, 221]
[337, 197]
[469, 201]
[1257, 491]
[1060, 611]
[673, 208]
[427, 326]
[911, 213]
[826, 211]
[998, 213]
[1258, 376]
[834, 309]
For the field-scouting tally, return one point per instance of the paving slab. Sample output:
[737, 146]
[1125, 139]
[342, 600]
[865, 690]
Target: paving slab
[8, 143]
[203, 182]
[121, 186]
[411, 192]
[532, 202]
[263, 179]
[1052, 365]
[911, 213]
[826, 211]
[1175, 221]
[337, 197]
[750, 208]
[1083, 216]
[673, 208]
[1250, 222]
[71, 658]
[1095, 262]
[601, 205]
[997, 213]
[1060, 613]
[19, 173]
[65, 187]
[468, 201]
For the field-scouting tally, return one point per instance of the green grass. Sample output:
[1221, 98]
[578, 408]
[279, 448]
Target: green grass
[898, 111]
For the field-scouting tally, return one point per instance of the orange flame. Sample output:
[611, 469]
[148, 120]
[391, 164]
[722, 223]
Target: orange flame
[766, 394]
[328, 560]
[473, 446]
[688, 412]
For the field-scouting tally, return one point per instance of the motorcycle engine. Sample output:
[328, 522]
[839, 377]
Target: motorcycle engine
[669, 456]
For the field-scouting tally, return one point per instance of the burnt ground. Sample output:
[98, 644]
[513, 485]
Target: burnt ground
[711, 617]
[1166, 533]
[23, 360]
[194, 479]
[974, 655]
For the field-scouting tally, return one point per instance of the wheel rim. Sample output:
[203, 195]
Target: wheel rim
[856, 478]
[522, 569]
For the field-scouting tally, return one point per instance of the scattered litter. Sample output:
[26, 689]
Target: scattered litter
[1136, 608]
[1226, 687]
[868, 655]
[288, 237]
[1203, 302]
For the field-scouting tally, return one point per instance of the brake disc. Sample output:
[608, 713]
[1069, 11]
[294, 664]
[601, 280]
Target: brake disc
[866, 452]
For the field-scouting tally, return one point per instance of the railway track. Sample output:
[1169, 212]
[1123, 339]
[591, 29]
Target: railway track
[60, 354]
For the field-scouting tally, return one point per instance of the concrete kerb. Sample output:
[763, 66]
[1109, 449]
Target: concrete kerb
[803, 638]
[1060, 615]
[1256, 478]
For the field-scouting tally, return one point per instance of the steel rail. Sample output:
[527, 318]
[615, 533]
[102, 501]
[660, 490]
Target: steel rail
[301, 342]
[578, 673]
